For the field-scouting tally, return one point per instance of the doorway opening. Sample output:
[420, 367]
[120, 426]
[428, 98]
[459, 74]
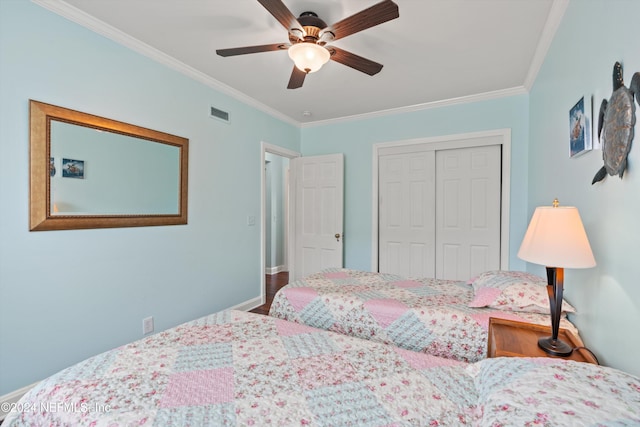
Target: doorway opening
[276, 231]
[276, 210]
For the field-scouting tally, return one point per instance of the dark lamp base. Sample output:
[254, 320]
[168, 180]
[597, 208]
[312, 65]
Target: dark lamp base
[555, 347]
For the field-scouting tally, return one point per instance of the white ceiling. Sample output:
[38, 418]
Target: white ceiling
[437, 52]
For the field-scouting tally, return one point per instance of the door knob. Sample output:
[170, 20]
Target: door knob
[337, 236]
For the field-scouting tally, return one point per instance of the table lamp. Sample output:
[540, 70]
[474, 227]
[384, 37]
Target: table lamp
[556, 239]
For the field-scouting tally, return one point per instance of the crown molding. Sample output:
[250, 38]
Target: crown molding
[558, 8]
[76, 15]
[486, 96]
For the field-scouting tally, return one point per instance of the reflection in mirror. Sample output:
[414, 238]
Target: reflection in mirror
[92, 172]
[105, 173]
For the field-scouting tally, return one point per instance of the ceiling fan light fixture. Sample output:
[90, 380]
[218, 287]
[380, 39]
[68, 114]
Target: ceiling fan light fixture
[308, 56]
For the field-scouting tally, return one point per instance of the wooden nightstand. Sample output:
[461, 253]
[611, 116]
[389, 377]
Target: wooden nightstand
[520, 339]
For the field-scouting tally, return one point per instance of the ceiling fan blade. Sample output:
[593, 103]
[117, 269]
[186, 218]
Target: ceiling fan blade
[367, 18]
[252, 49]
[297, 78]
[354, 61]
[282, 14]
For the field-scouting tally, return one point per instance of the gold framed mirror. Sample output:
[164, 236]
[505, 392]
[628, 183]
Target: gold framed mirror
[88, 171]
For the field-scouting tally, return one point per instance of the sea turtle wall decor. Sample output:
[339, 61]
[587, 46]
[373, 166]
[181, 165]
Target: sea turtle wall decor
[616, 121]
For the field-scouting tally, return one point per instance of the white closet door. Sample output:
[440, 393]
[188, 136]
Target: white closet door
[407, 214]
[439, 211]
[467, 211]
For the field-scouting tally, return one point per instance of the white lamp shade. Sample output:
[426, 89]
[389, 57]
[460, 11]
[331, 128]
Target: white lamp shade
[308, 57]
[556, 238]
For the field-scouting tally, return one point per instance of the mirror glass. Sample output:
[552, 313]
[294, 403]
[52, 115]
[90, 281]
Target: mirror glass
[97, 172]
[92, 172]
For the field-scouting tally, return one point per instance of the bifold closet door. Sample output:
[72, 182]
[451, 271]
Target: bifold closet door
[439, 212]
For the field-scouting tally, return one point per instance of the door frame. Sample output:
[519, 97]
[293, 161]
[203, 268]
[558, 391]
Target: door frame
[290, 225]
[461, 140]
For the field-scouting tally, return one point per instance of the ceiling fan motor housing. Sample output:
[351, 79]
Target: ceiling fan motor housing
[310, 19]
[312, 25]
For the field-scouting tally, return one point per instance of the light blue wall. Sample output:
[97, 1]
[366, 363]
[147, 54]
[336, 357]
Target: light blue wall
[356, 139]
[278, 209]
[275, 199]
[593, 35]
[67, 295]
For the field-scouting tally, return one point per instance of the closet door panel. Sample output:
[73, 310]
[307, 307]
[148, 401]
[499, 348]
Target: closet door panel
[467, 211]
[407, 217]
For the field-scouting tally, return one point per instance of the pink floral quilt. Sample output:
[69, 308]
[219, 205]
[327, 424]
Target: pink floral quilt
[426, 315]
[242, 369]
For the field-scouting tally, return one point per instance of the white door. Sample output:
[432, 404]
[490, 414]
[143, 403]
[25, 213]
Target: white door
[319, 190]
[467, 211]
[407, 214]
[439, 211]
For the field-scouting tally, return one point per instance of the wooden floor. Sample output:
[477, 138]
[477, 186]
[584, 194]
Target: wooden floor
[273, 283]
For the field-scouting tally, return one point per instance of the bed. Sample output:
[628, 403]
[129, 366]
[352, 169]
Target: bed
[240, 369]
[439, 317]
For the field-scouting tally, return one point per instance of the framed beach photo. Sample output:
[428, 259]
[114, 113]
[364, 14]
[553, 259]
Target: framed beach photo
[72, 168]
[580, 127]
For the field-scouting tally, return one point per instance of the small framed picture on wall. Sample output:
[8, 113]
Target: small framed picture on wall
[72, 168]
[580, 127]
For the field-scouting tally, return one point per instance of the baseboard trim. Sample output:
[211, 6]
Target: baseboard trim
[250, 305]
[7, 401]
[275, 270]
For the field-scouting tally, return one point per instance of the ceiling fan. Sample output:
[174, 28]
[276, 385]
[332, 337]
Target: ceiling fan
[308, 36]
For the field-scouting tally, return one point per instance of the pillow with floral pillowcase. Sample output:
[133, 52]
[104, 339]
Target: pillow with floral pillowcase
[543, 391]
[513, 291]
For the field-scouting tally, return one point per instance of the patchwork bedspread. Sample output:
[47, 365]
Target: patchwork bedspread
[425, 315]
[242, 369]
[237, 368]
